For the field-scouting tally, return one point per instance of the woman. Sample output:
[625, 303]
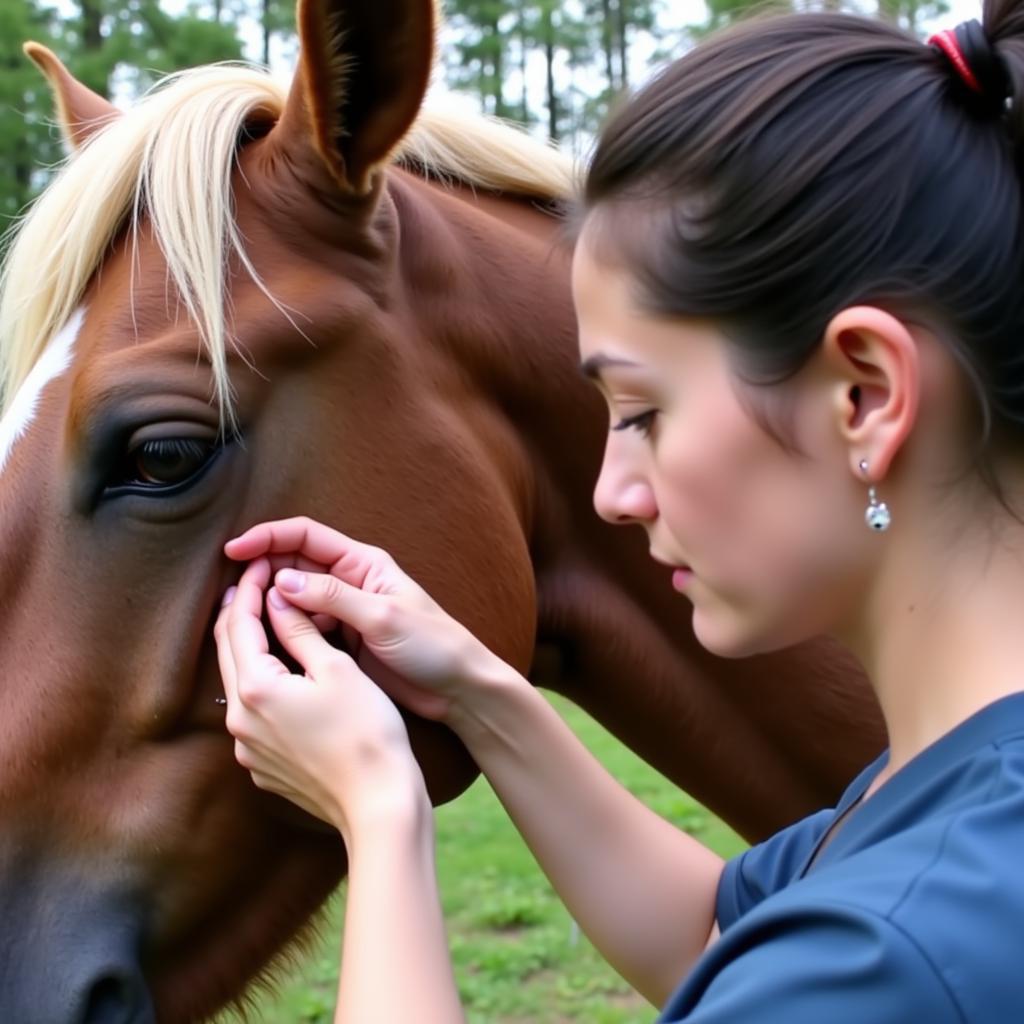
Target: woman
[800, 287]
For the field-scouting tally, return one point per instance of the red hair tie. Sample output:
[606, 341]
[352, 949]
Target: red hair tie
[947, 42]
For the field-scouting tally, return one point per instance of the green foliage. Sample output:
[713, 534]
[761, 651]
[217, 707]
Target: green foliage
[911, 14]
[482, 48]
[276, 18]
[137, 39]
[518, 957]
[28, 143]
[498, 46]
[724, 12]
[143, 37]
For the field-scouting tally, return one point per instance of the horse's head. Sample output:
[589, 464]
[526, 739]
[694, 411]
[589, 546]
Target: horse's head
[211, 319]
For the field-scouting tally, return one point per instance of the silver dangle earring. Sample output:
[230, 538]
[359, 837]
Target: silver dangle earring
[877, 514]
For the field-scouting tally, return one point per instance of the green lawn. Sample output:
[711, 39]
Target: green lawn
[518, 957]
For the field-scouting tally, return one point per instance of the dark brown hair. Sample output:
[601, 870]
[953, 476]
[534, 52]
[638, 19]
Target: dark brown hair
[792, 166]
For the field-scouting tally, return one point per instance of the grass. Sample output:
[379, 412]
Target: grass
[519, 958]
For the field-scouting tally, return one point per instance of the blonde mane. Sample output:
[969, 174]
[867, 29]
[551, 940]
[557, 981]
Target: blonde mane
[171, 157]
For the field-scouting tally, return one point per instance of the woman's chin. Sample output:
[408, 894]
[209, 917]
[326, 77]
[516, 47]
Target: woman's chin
[730, 635]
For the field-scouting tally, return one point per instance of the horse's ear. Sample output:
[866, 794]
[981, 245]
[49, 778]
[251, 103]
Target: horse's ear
[81, 111]
[364, 67]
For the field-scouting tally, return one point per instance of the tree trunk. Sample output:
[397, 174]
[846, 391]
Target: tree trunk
[92, 24]
[92, 41]
[623, 55]
[265, 20]
[524, 51]
[23, 173]
[498, 68]
[549, 56]
[606, 44]
[911, 10]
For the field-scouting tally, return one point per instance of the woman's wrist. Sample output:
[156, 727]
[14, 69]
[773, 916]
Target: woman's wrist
[489, 695]
[394, 804]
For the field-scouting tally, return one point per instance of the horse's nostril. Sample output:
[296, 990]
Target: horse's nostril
[116, 999]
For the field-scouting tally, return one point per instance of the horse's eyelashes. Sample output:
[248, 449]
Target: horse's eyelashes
[162, 467]
[170, 460]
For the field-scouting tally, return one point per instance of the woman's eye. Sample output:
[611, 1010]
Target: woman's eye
[644, 422]
[165, 462]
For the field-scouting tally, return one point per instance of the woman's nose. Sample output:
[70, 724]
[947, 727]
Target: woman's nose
[621, 497]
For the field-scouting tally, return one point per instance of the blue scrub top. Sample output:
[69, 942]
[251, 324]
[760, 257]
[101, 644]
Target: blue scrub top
[912, 912]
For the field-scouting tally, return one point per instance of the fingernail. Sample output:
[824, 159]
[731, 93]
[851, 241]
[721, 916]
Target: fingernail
[290, 580]
[277, 600]
[229, 596]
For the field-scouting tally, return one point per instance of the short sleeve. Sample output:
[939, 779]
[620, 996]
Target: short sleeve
[767, 868]
[827, 963]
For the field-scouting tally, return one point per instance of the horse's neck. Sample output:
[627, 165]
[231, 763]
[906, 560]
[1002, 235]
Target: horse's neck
[489, 277]
[494, 274]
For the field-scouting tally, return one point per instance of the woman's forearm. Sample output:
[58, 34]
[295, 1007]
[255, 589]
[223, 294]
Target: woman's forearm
[395, 964]
[642, 890]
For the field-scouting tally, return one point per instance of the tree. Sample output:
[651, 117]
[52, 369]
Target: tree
[910, 14]
[616, 23]
[28, 143]
[483, 33]
[136, 37]
[566, 43]
[723, 12]
[498, 41]
[105, 35]
[276, 17]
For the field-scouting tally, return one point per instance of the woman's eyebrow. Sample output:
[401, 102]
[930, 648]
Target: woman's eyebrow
[594, 365]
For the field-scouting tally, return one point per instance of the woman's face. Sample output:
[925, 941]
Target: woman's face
[771, 542]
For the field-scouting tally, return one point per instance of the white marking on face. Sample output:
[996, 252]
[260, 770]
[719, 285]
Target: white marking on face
[56, 358]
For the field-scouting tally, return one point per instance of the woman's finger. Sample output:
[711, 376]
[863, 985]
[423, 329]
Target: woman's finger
[300, 637]
[295, 560]
[311, 539]
[250, 648]
[245, 631]
[225, 660]
[325, 623]
[325, 594]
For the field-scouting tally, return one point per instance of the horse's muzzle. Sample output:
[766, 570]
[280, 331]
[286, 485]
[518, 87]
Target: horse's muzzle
[69, 952]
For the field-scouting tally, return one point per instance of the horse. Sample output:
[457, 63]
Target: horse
[237, 302]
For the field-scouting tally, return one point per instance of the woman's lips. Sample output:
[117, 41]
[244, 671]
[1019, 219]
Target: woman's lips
[681, 577]
[681, 574]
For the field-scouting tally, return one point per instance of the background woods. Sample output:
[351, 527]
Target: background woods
[553, 65]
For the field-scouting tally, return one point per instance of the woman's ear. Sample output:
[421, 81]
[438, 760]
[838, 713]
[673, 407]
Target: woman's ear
[874, 361]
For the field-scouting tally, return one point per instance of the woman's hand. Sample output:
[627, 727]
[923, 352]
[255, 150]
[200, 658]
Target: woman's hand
[330, 741]
[431, 660]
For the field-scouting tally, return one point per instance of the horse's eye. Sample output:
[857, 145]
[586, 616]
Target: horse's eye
[166, 462]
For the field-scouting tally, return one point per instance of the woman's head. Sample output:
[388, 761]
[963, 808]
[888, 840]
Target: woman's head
[793, 170]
